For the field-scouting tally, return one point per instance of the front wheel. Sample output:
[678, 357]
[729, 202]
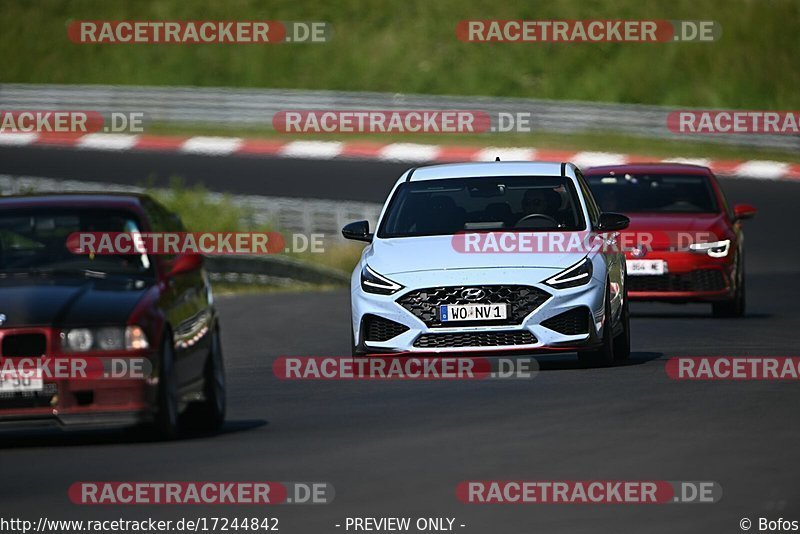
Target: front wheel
[208, 415]
[736, 306]
[604, 355]
[622, 342]
[166, 421]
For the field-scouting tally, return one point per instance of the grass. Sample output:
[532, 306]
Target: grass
[602, 142]
[195, 205]
[411, 47]
[341, 257]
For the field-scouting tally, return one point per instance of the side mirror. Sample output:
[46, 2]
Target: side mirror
[610, 222]
[358, 231]
[744, 211]
[185, 263]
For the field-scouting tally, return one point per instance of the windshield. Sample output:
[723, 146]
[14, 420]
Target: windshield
[35, 240]
[654, 193]
[446, 207]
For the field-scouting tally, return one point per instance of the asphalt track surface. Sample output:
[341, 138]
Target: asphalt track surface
[326, 179]
[399, 449]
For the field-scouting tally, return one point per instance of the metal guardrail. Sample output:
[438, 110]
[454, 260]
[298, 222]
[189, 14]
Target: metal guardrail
[270, 270]
[230, 108]
[289, 215]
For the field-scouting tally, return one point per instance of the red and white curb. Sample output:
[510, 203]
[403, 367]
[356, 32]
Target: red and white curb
[394, 152]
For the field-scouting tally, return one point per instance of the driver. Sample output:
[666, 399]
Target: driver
[541, 202]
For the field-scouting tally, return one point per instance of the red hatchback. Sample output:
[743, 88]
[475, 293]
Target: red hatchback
[69, 323]
[685, 242]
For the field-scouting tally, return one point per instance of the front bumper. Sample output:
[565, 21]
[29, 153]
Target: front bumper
[689, 277]
[76, 421]
[81, 403]
[528, 334]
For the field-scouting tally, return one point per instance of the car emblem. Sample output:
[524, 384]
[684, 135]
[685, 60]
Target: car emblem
[638, 252]
[473, 293]
[2, 318]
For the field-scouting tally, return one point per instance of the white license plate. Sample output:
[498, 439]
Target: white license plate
[646, 267]
[14, 382]
[472, 312]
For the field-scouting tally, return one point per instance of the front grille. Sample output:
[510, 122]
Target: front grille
[23, 345]
[521, 300]
[699, 280]
[569, 323]
[475, 339]
[381, 329]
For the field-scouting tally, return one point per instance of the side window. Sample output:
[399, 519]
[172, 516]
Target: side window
[591, 205]
[161, 220]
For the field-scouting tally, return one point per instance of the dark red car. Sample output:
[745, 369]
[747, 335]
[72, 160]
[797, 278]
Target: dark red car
[685, 242]
[155, 313]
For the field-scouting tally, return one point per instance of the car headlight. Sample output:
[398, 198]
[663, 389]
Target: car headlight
[372, 282]
[577, 275]
[107, 338]
[715, 249]
[78, 339]
[135, 339]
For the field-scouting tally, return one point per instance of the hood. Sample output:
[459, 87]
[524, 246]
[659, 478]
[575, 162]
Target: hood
[436, 253]
[68, 302]
[675, 229]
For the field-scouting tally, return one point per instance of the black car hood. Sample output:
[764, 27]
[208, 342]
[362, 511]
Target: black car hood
[68, 302]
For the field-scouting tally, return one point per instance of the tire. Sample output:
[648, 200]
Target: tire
[209, 415]
[166, 420]
[736, 306]
[604, 355]
[622, 342]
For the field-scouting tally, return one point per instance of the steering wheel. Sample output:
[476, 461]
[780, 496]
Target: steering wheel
[538, 216]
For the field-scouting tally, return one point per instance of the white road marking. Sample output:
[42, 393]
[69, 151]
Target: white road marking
[506, 154]
[103, 141]
[409, 152]
[593, 159]
[18, 138]
[211, 146]
[765, 170]
[312, 149]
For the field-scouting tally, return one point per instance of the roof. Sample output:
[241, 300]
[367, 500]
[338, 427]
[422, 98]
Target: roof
[654, 168]
[99, 200]
[485, 169]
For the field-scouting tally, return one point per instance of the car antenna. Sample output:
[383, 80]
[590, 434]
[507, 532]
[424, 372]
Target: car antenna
[497, 158]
